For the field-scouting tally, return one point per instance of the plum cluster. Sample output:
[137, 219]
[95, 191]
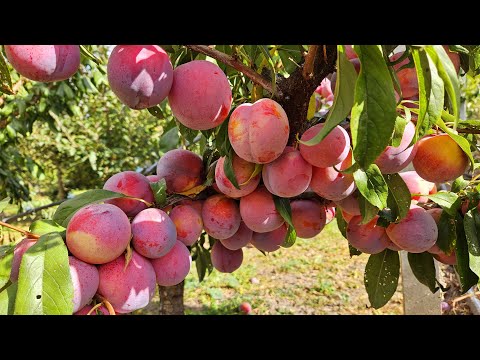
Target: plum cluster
[122, 248]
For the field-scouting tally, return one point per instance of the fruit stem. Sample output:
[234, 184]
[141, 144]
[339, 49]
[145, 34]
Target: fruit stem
[24, 232]
[107, 304]
[95, 308]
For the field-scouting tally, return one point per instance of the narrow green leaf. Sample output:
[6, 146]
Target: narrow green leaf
[228, 169]
[257, 170]
[374, 110]
[459, 184]
[341, 223]
[5, 79]
[156, 111]
[159, 189]
[290, 237]
[222, 141]
[44, 282]
[282, 205]
[372, 185]
[201, 263]
[431, 92]
[343, 100]
[4, 203]
[449, 201]
[84, 51]
[169, 140]
[187, 133]
[467, 277]
[471, 223]
[7, 299]
[447, 72]
[6, 258]
[353, 251]
[67, 209]
[381, 277]
[367, 210]
[423, 267]
[447, 233]
[271, 63]
[399, 197]
[400, 124]
[44, 226]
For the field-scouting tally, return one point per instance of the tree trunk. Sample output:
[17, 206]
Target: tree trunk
[171, 299]
[61, 188]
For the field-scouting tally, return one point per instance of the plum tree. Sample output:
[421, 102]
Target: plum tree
[327, 127]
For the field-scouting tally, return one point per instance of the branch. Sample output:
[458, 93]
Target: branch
[230, 60]
[469, 131]
[24, 232]
[309, 61]
[15, 217]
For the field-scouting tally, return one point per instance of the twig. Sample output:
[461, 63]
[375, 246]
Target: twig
[309, 61]
[468, 131]
[94, 308]
[231, 61]
[15, 88]
[15, 217]
[454, 301]
[107, 304]
[24, 232]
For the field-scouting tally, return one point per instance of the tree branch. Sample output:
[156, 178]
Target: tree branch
[309, 61]
[230, 60]
[15, 217]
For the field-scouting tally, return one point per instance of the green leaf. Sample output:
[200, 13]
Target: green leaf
[169, 140]
[399, 197]
[374, 111]
[5, 79]
[7, 299]
[228, 169]
[68, 208]
[187, 133]
[343, 100]
[400, 124]
[372, 185]
[156, 111]
[447, 233]
[271, 63]
[159, 189]
[447, 72]
[471, 223]
[467, 277]
[6, 258]
[367, 210]
[282, 205]
[84, 51]
[423, 267]
[257, 170]
[290, 237]
[460, 140]
[341, 223]
[449, 201]
[4, 203]
[353, 251]
[459, 184]
[44, 282]
[381, 277]
[222, 141]
[431, 92]
[42, 227]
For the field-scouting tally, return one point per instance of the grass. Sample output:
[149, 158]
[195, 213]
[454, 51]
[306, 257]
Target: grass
[315, 276]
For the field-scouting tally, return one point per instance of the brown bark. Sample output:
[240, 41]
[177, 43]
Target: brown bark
[61, 188]
[171, 299]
